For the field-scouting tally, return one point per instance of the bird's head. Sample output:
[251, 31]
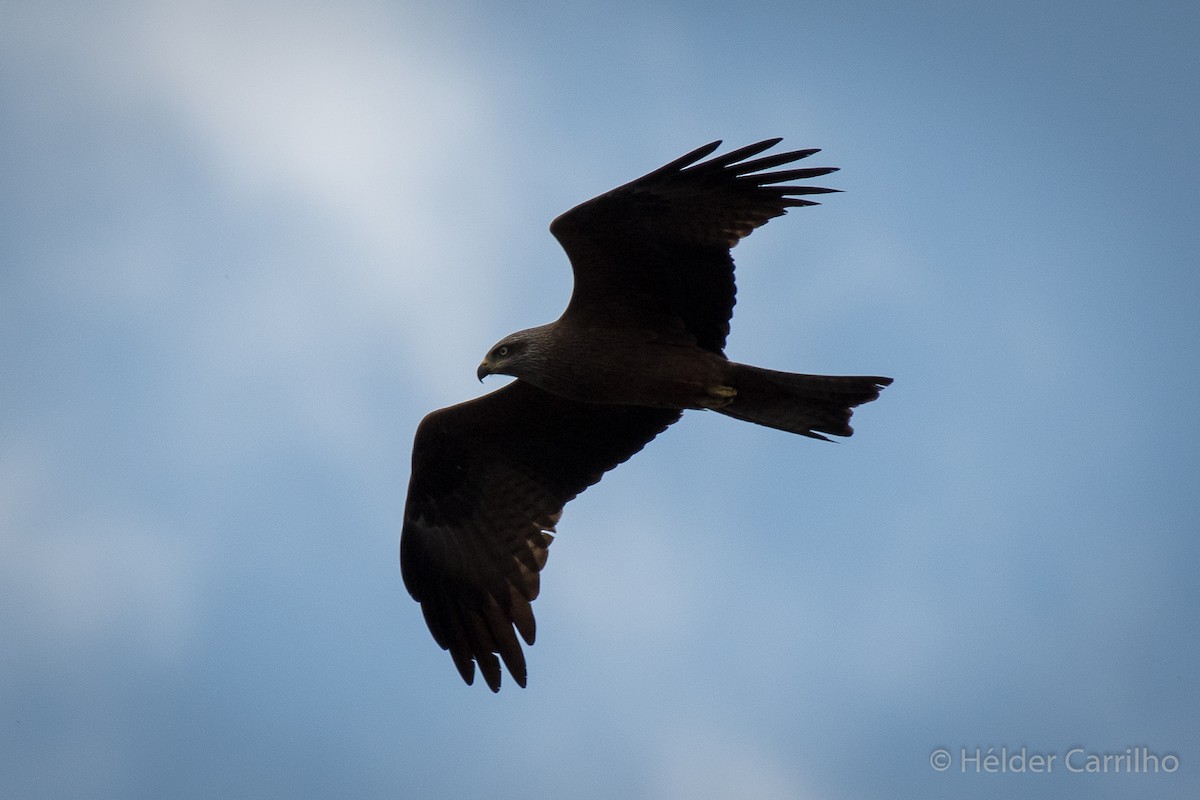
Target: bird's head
[506, 356]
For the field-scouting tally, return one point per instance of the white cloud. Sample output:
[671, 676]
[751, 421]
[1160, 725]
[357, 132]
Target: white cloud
[625, 575]
[344, 105]
[364, 132]
[698, 763]
[75, 580]
[372, 119]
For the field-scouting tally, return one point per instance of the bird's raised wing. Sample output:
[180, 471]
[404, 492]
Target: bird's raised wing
[489, 481]
[654, 253]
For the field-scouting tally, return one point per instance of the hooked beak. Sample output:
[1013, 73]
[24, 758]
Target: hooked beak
[484, 370]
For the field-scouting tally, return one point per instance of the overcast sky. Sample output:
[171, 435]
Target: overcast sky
[246, 246]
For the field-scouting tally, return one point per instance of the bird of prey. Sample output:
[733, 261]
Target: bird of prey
[641, 340]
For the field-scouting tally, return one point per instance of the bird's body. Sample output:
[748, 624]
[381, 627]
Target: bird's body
[642, 340]
[651, 370]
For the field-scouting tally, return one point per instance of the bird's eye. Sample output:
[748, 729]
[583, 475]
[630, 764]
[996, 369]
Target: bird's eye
[502, 350]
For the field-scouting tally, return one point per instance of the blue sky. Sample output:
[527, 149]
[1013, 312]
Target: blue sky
[247, 246]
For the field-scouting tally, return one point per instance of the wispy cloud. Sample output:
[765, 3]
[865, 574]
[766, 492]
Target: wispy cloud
[77, 580]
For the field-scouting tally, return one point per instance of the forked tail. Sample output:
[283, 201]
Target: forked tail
[806, 404]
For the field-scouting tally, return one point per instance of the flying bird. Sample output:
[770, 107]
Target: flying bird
[641, 340]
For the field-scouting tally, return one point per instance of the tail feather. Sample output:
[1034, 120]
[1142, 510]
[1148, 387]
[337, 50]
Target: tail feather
[810, 405]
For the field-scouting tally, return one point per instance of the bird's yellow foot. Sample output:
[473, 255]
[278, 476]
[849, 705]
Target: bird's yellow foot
[718, 396]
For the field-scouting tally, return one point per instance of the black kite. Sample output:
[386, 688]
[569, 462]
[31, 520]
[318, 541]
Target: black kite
[641, 340]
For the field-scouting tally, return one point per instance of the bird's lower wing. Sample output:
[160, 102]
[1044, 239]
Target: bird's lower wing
[489, 480]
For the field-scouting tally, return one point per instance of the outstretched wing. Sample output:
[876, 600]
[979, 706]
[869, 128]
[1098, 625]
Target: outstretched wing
[489, 481]
[654, 253]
